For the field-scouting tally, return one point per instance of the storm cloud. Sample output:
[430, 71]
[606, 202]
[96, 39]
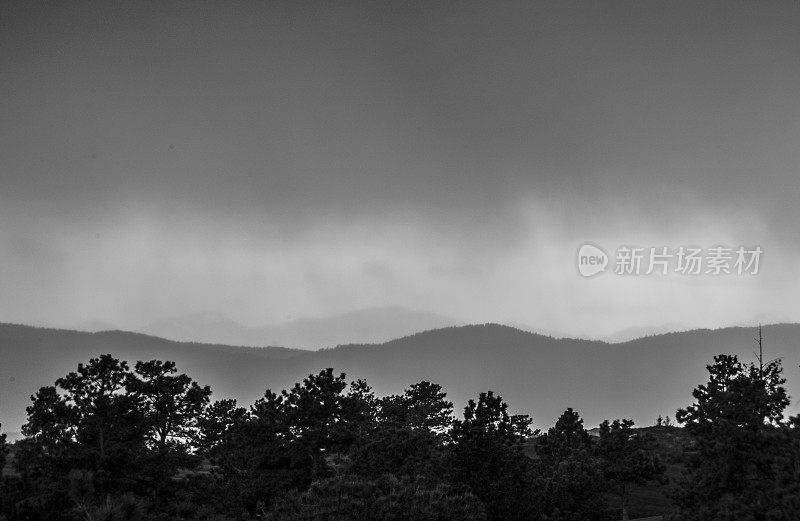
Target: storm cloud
[274, 159]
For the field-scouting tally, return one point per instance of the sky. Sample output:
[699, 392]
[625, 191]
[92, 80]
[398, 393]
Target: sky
[277, 160]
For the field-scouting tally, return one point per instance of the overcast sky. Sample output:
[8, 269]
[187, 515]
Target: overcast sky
[268, 160]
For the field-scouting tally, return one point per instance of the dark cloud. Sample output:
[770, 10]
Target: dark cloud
[265, 126]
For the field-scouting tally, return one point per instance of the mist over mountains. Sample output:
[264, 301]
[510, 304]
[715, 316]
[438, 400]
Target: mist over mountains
[372, 325]
[536, 374]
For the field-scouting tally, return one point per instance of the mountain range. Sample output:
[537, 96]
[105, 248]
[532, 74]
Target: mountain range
[536, 374]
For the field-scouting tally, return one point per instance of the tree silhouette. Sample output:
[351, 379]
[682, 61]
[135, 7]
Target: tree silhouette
[408, 437]
[487, 457]
[123, 431]
[737, 424]
[422, 406]
[322, 418]
[172, 403]
[572, 482]
[564, 439]
[109, 443]
[91, 423]
[217, 425]
[286, 440]
[628, 458]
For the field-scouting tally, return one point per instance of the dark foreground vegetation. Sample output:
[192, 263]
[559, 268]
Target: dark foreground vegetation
[108, 442]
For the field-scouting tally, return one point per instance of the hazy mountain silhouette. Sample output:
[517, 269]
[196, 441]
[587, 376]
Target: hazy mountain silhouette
[634, 332]
[373, 325]
[623, 335]
[541, 375]
[31, 357]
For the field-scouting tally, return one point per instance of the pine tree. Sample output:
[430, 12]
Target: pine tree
[628, 459]
[572, 481]
[487, 457]
[739, 436]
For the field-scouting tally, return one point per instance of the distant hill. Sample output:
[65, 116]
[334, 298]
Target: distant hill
[536, 374]
[31, 357]
[373, 325]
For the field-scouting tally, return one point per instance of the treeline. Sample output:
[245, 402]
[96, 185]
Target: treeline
[108, 442]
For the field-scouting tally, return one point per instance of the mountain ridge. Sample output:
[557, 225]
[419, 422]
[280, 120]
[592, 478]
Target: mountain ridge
[536, 374]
